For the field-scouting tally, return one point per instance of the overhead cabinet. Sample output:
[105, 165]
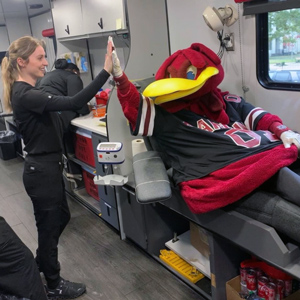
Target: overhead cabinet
[80, 18]
[103, 16]
[67, 17]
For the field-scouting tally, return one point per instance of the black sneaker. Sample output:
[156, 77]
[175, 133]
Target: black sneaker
[66, 290]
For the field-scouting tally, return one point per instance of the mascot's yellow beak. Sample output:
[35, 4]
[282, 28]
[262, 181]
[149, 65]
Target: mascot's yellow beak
[169, 89]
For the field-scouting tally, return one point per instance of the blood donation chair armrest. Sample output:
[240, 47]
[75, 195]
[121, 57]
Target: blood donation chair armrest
[152, 182]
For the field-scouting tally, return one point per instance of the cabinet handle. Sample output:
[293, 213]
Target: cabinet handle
[67, 30]
[100, 23]
[128, 190]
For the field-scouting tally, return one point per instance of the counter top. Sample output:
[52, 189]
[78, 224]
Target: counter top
[90, 123]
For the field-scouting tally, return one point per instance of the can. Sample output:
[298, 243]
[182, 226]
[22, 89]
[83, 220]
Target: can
[288, 287]
[270, 291]
[271, 279]
[251, 281]
[243, 274]
[279, 289]
[259, 272]
[261, 283]
[244, 289]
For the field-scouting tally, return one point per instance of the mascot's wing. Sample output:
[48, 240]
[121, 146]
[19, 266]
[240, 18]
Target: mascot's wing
[169, 89]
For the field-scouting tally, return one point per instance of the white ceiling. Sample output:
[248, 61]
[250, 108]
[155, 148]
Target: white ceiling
[15, 8]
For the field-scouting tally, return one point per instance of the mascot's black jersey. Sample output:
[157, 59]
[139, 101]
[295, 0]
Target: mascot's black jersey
[194, 146]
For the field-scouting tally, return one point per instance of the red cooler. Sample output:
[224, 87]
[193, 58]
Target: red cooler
[90, 186]
[84, 147]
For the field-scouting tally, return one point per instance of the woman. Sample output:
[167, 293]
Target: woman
[64, 81]
[33, 109]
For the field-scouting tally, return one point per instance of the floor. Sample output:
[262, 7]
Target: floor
[90, 251]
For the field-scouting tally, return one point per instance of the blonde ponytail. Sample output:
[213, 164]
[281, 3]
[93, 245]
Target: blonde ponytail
[23, 48]
[8, 80]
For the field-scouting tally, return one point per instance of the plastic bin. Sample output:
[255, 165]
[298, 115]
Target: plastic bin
[91, 188]
[84, 147]
[7, 145]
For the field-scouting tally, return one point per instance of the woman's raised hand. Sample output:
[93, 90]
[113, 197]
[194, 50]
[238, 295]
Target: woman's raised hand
[108, 64]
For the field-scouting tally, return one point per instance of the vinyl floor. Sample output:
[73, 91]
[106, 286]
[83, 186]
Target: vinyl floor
[90, 251]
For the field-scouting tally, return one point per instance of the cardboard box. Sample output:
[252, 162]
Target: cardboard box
[199, 239]
[233, 288]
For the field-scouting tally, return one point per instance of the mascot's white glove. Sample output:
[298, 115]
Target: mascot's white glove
[290, 137]
[117, 70]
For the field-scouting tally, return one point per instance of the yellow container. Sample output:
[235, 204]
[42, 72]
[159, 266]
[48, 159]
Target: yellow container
[180, 265]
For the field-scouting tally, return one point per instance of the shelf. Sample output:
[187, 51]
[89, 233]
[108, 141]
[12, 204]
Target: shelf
[183, 248]
[93, 35]
[81, 163]
[83, 197]
[202, 287]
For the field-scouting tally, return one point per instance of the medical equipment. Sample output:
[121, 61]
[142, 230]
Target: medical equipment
[110, 153]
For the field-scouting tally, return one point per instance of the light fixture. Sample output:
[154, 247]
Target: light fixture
[217, 18]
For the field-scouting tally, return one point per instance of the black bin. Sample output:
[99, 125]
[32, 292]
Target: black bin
[7, 145]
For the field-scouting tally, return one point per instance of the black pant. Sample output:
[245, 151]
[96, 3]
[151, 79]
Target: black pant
[44, 184]
[19, 275]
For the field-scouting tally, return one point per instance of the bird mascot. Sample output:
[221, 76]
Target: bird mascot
[221, 148]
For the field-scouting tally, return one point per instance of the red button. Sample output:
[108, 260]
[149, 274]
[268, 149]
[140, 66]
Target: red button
[100, 155]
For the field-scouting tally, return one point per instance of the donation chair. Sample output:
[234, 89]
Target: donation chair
[263, 223]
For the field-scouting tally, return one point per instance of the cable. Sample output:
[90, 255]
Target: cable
[222, 44]
[244, 88]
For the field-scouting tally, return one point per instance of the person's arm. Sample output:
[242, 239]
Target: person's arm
[256, 118]
[274, 124]
[129, 98]
[127, 93]
[76, 102]
[56, 103]
[39, 101]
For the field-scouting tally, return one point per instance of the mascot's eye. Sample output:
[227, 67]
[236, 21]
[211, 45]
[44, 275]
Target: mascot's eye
[191, 72]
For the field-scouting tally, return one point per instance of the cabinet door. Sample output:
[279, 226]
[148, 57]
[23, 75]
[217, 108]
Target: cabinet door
[108, 13]
[67, 17]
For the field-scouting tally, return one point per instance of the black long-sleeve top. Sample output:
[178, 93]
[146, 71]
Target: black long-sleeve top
[32, 109]
[63, 83]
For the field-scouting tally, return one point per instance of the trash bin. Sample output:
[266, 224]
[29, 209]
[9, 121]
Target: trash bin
[7, 144]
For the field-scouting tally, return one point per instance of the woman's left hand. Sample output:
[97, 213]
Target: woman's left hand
[108, 64]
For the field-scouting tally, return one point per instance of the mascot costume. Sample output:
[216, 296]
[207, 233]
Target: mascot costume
[220, 147]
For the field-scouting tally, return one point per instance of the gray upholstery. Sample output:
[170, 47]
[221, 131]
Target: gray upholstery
[152, 182]
[288, 184]
[152, 185]
[272, 210]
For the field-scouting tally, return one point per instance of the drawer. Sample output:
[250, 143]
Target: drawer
[109, 214]
[134, 221]
[107, 194]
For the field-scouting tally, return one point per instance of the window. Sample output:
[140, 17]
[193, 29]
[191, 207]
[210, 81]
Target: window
[278, 49]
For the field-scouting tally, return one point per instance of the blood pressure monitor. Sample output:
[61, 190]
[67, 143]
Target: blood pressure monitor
[110, 153]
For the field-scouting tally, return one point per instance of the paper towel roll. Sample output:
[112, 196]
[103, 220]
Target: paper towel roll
[138, 146]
